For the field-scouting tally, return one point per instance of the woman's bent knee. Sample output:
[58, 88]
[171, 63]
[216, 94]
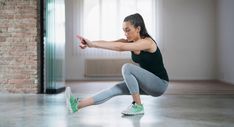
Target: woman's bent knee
[127, 67]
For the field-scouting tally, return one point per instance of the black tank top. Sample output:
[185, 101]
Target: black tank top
[152, 62]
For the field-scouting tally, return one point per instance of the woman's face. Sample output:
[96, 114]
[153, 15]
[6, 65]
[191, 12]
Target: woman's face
[131, 33]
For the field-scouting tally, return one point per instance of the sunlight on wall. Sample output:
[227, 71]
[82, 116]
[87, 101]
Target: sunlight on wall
[102, 20]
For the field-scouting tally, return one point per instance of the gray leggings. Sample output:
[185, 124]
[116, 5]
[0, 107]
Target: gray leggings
[136, 80]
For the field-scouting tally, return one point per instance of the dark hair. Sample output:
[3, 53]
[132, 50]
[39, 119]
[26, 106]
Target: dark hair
[137, 20]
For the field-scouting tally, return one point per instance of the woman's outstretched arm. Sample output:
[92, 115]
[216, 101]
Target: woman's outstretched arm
[119, 45]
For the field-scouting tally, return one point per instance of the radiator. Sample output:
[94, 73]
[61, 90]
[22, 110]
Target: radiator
[104, 67]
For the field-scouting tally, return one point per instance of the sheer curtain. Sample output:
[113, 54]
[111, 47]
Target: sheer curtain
[102, 20]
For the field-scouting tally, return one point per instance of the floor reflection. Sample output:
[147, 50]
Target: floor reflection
[135, 120]
[19, 110]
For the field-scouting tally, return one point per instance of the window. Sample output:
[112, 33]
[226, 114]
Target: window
[102, 20]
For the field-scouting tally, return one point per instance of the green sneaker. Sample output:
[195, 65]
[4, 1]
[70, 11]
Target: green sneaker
[134, 109]
[73, 104]
[71, 101]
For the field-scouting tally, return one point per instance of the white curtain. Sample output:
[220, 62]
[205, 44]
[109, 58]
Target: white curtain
[102, 20]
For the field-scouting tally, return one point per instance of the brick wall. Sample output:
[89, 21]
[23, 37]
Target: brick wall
[19, 46]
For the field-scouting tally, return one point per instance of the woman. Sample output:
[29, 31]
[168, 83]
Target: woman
[149, 79]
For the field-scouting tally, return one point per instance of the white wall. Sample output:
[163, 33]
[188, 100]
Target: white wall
[188, 37]
[74, 60]
[187, 33]
[225, 16]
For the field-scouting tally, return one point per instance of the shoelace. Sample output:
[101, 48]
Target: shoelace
[130, 106]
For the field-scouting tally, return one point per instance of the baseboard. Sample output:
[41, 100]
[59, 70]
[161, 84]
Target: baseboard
[55, 91]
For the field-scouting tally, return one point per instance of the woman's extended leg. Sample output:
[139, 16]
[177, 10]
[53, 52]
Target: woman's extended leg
[104, 95]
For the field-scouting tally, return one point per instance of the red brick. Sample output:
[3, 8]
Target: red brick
[2, 39]
[18, 46]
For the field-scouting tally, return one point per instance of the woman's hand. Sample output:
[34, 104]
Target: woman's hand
[84, 42]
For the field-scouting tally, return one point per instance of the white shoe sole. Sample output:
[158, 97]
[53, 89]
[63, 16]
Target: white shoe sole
[67, 96]
[133, 114]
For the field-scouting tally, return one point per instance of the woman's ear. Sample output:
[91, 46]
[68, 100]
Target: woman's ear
[138, 29]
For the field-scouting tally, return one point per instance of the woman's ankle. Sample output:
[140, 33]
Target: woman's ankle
[85, 102]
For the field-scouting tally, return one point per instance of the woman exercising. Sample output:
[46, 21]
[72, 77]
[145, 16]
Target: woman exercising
[149, 78]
